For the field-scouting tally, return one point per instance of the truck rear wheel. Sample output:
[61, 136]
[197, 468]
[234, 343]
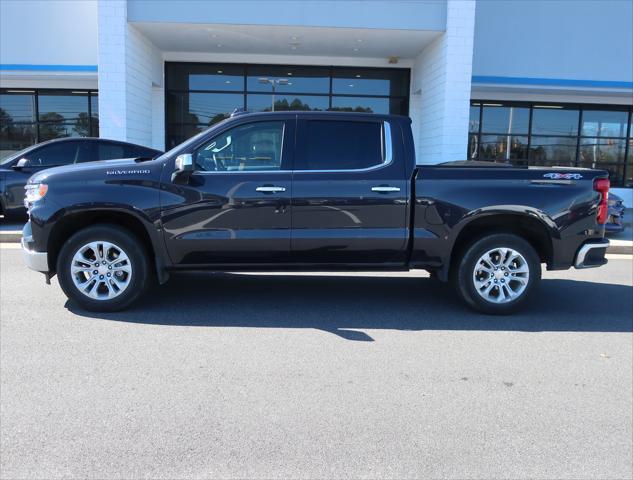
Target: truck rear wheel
[103, 268]
[497, 273]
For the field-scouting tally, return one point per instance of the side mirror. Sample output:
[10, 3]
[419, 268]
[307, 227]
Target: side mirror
[23, 162]
[184, 168]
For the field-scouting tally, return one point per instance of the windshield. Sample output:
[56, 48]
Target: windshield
[17, 155]
[191, 141]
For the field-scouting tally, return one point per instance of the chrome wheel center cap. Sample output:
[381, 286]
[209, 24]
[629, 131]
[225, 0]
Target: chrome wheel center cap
[103, 269]
[499, 274]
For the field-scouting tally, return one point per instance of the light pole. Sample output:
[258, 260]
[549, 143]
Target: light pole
[273, 82]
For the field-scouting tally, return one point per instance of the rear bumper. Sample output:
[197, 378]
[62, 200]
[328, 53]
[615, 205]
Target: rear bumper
[591, 254]
[37, 261]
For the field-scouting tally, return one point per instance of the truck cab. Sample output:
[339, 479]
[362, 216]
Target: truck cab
[311, 191]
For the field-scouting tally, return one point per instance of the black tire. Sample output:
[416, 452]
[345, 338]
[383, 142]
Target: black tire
[466, 266]
[134, 249]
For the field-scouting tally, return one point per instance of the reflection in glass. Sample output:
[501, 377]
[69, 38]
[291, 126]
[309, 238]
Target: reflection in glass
[603, 123]
[179, 132]
[628, 181]
[300, 79]
[362, 81]
[15, 137]
[503, 147]
[554, 121]
[616, 171]
[553, 151]
[60, 107]
[600, 150]
[206, 108]
[17, 107]
[368, 105]
[473, 147]
[248, 147]
[204, 76]
[57, 129]
[505, 120]
[94, 110]
[473, 122]
[259, 102]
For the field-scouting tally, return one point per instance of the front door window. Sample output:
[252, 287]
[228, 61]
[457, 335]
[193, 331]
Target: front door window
[250, 147]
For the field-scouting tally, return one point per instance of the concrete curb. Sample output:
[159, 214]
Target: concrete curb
[621, 247]
[11, 236]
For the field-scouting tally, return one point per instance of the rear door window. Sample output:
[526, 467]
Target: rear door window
[340, 145]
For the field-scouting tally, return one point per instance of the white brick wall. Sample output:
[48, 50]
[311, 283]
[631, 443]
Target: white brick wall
[130, 67]
[440, 88]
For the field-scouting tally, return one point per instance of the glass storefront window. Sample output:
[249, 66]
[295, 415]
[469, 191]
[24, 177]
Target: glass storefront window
[559, 151]
[554, 120]
[63, 107]
[473, 121]
[473, 147]
[202, 108]
[259, 102]
[201, 94]
[61, 113]
[293, 79]
[204, 76]
[503, 148]
[553, 136]
[360, 104]
[94, 112]
[16, 137]
[16, 106]
[628, 180]
[594, 151]
[601, 123]
[367, 81]
[500, 119]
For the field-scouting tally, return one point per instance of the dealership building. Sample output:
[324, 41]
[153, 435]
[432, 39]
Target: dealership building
[526, 82]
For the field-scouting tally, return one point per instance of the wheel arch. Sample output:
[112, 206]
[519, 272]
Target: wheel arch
[530, 227]
[71, 223]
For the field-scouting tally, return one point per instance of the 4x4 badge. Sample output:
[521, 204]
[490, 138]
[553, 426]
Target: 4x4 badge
[563, 176]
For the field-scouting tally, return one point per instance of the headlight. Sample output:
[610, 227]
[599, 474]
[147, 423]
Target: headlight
[34, 192]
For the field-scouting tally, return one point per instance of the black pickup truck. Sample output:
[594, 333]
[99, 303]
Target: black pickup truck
[311, 191]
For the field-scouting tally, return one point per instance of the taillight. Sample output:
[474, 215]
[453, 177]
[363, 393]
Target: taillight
[602, 185]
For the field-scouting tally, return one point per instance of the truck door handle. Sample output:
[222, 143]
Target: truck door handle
[385, 189]
[270, 189]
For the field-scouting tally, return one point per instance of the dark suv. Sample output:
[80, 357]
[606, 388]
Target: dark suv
[16, 169]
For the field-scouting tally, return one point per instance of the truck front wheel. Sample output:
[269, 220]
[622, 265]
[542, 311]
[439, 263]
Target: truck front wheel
[103, 268]
[497, 273]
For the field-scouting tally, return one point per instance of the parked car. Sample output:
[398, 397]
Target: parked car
[17, 168]
[615, 223]
[311, 191]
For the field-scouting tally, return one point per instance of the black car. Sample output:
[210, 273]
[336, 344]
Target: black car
[16, 169]
[615, 224]
[311, 191]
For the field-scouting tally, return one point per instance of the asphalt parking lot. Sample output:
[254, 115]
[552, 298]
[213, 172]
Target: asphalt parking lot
[317, 376]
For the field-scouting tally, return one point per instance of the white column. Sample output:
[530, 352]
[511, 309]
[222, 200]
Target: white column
[440, 88]
[130, 69]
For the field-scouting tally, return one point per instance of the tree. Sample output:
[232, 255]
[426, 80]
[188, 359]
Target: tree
[51, 126]
[82, 125]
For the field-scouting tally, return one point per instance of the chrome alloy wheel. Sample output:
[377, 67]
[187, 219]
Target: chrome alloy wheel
[101, 270]
[501, 275]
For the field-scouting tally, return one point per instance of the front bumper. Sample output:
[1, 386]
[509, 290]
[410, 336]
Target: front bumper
[592, 254]
[37, 261]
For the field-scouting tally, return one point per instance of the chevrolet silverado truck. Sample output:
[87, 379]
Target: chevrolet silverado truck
[311, 191]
